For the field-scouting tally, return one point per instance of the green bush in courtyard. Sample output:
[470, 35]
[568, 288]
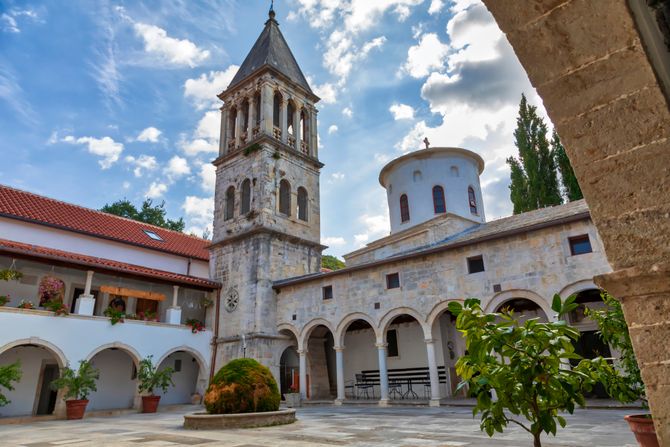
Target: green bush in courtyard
[8, 374]
[242, 386]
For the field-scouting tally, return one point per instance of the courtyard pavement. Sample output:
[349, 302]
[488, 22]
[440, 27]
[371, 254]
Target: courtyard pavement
[325, 426]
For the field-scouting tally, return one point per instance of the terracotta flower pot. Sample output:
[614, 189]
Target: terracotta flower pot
[150, 404]
[642, 426]
[74, 409]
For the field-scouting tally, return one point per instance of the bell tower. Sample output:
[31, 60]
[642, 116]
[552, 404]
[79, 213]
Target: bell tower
[266, 215]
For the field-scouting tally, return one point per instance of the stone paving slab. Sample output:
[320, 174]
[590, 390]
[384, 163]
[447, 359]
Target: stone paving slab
[323, 426]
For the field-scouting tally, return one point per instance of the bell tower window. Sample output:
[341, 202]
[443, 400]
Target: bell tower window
[230, 203]
[276, 109]
[285, 197]
[245, 196]
[302, 204]
[257, 108]
[438, 200]
[472, 199]
[404, 208]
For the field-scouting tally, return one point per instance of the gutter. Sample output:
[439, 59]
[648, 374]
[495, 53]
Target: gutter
[215, 343]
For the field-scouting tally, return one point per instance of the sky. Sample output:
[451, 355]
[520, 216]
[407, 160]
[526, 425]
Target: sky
[105, 100]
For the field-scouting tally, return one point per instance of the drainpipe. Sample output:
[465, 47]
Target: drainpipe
[216, 334]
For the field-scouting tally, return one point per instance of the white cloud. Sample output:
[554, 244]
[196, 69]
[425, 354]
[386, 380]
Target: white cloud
[402, 111]
[325, 91]
[435, 6]
[209, 125]
[156, 190]
[429, 54]
[336, 176]
[142, 163]
[169, 49]
[381, 158]
[105, 147]
[126, 185]
[361, 239]
[12, 93]
[347, 112]
[203, 90]
[198, 146]
[376, 225]
[412, 141]
[9, 22]
[176, 168]
[333, 241]
[332, 129]
[150, 134]
[199, 213]
[208, 177]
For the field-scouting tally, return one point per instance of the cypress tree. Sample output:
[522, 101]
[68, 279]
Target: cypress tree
[534, 180]
[568, 178]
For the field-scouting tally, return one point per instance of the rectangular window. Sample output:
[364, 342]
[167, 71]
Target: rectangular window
[392, 342]
[475, 264]
[328, 293]
[580, 245]
[393, 281]
[177, 365]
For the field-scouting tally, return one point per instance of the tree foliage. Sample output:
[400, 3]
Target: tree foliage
[9, 374]
[534, 178]
[149, 213]
[568, 179]
[332, 262]
[77, 384]
[150, 377]
[524, 366]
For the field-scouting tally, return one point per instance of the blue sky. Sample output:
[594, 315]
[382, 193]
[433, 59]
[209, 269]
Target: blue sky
[101, 100]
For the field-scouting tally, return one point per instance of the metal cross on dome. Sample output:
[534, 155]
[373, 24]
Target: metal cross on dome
[426, 142]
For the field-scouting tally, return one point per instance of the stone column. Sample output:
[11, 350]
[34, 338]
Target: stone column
[267, 103]
[645, 298]
[252, 117]
[339, 362]
[85, 304]
[173, 314]
[434, 375]
[303, 373]
[313, 135]
[283, 119]
[238, 125]
[223, 137]
[296, 126]
[383, 374]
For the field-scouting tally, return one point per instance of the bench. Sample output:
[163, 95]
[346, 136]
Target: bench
[397, 379]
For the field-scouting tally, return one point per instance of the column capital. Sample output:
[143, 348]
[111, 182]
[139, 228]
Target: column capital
[429, 341]
[381, 345]
[338, 348]
[302, 351]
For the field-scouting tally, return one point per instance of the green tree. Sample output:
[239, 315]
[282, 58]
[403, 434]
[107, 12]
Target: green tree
[331, 262]
[568, 178]
[524, 364]
[8, 374]
[534, 179]
[150, 377]
[77, 384]
[148, 213]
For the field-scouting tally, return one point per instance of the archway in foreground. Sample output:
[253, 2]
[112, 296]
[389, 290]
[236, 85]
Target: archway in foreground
[185, 378]
[451, 347]
[524, 309]
[360, 361]
[32, 395]
[289, 371]
[321, 380]
[117, 385]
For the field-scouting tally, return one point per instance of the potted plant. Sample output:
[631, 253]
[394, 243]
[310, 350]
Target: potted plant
[26, 304]
[4, 299]
[195, 325]
[150, 378]
[55, 305]
[292, 397]
[51, 289]
[115, 315]
[10, 274]
[624, 381]
[78, 385]
[8, 374]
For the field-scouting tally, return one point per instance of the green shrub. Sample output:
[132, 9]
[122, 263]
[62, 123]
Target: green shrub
[242, 386]
[8, 374]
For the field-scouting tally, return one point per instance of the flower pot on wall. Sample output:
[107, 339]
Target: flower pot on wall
[292, 400]
[642, 426]
[74, 409]
[150, 404]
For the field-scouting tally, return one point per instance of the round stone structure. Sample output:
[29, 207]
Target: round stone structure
[206, 421]
[415, 182]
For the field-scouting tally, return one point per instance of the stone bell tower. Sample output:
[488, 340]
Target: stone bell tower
[266, 216]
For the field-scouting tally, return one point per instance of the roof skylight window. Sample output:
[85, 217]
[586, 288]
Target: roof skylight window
[153, 235]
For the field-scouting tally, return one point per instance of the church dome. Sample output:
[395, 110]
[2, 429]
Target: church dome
[430, 182]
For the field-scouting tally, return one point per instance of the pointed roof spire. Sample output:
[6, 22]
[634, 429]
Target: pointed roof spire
[272, 51]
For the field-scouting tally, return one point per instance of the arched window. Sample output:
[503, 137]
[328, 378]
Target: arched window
[245, 199]
[438, 200]
[472, 199]
[404, 208]
[257, 108]
[290, 111]
[302, 204]
[230, 203]
[276, 109]
[285, 197]
[244, 124]
[231, 122]
[303, 125]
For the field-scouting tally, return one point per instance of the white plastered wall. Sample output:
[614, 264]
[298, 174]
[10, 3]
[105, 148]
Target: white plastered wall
[25, 394]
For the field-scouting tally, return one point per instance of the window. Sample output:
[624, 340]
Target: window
[580, 245]
[472, 199]
[285, 197]
[417, 176]
[327, 292]
[276, 109]
[475, 264]
[438, 200]
[392, 342]
[302, 204]
[393, 281]
[230, 203]
[245, 199]
[404, 208]
[231, 123]
[257, 108]
[454, 171]
[177, 365]
[153, 235]
[244, 125]
[290, 110]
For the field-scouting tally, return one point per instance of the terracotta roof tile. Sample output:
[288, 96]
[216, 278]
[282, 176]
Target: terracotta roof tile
[30, 207]
[66, 257]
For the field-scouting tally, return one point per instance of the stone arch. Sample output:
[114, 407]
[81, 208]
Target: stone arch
[309, 327]
[132, 352]
[502, 297]
[390, 315]
[438, 309]
[202, 376]
[341, 329]
[202, 363]
[53, 349]
[576, 287]
[289, 327]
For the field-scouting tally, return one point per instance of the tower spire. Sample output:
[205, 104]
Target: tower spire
[271, 13]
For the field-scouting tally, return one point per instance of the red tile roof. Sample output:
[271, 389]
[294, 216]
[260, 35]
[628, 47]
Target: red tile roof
[26, 206]
[105, 265]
